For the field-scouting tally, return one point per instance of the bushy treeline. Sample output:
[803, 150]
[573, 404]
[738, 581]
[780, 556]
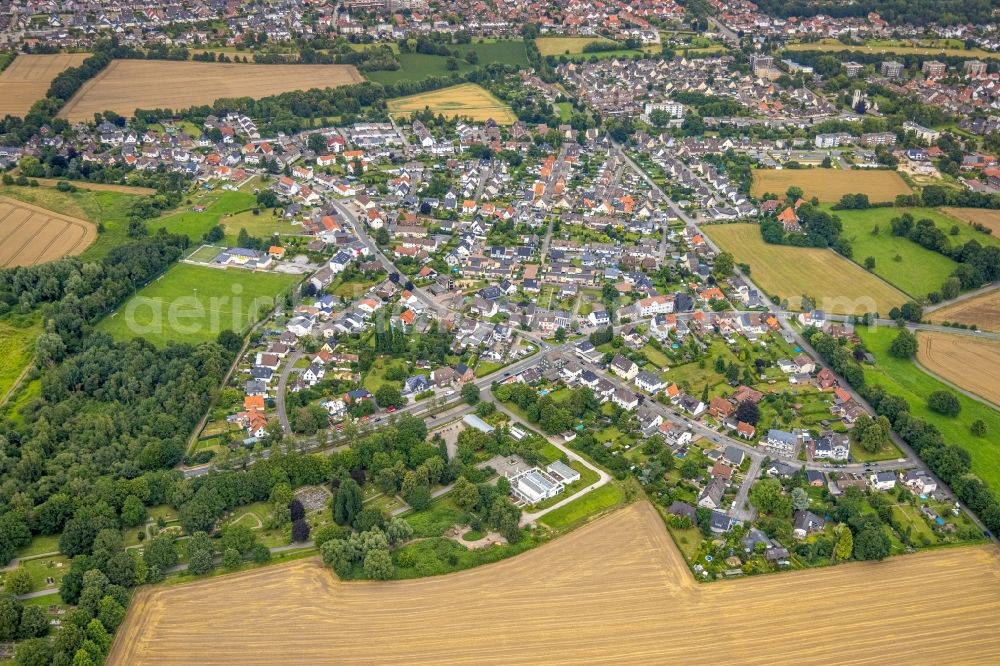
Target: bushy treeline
[950, 462]
[917, 12]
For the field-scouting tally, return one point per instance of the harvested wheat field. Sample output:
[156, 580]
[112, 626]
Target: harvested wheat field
[984, 216]
[615, 591]
[838, 284]
[829, 185]
[27, 79]
[127, 85]
[466, 100]
[967, 362]
[982, 310]
[31, 235]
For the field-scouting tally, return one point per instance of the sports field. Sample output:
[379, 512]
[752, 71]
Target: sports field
[31, 235]
[195, 303]
[615, 591]
[986, 217]
[838, 284]
[968, 362]
[27, 79]
[465, 100]
[830, 184]
[982, 310]
[904, 378]
[127, 85]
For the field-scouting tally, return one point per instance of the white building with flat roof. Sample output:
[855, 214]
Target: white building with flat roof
[564, 472]
[533, 485]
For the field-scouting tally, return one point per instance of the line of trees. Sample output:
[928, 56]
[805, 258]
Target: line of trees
[950, 462]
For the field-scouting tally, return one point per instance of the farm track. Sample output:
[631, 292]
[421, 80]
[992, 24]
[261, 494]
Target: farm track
[616, 590]
[983, 310]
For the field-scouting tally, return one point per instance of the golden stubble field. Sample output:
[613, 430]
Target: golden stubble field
[828, 185]
[30, 235]
[982, 310]
[985, 216]
[838, 284]
[463, 100]
[27, 79]
[127, 85]
[967, 362]
[615, 591]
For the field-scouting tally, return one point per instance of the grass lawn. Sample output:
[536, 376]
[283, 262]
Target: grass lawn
[17, 347]
[655, 356]
[838, 284]
[565, 111]
[908, 515]
[504, 51]
[436, 520]
[416, 67]
[904, 378]
[550, 452]
[587, 478]
[436, 556]
[890, 452]
[205, 254]
[688, 540]
[376, 375]
[580, 510]
[110, 209]
[487, 367]
[919, 270]
[194, 303]
[17, 402]
[557, 46]
[41, 543]
[263, 225]
[54, 567]
[195, 225]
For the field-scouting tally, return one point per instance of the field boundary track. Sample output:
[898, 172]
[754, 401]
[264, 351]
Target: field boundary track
[98, 187]
[614, 590]
[982, 309]
[29, 237]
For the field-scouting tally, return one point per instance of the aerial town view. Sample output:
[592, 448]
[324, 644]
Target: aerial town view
[493, 331]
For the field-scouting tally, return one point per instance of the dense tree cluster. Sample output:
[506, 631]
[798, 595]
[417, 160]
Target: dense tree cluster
[917, 12]
[819, 229]
[977, 264]
[950, 462]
